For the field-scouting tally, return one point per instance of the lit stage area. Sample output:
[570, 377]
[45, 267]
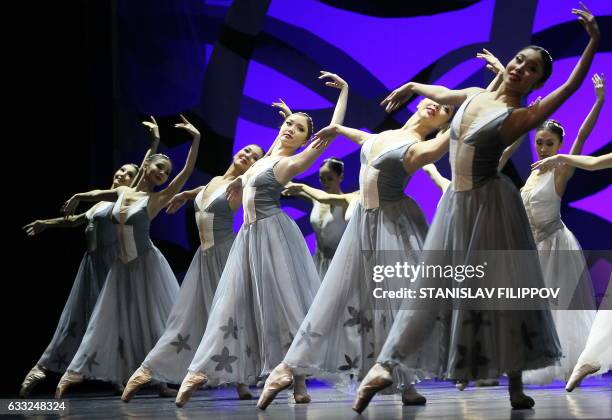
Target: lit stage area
[592, 400]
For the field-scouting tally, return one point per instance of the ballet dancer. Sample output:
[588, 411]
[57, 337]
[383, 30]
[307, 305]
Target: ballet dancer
[269, 280]
[169, 359]
[483, 211]
[140, 289]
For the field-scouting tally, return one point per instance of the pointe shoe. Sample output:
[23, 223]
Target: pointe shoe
[68, 379]
[243, 392]
[280, 378]
[36, 375]
[520, 401]
[166, 392]
[376, 380]
[410, 396]
[140, 378]
[462, 384]
[579, 373]
[191, 382]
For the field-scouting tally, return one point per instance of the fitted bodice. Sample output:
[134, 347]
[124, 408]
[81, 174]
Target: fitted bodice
[474, 155]
[383, 177]
[214, 218]
[328, 226]
[100, 231]
[543, 206]
[261, 190]
[133, 229]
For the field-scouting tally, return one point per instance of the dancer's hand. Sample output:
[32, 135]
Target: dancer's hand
[324, 136]
[176, 203]
[70, 206]
[292, 189]
[153, 127]
[493, 62]
[284, 110]
[396, 98]
[586, 18]
[336, 82]
[599, 82]
[187, 126]
[34, 228]
[547, 163]
[234, 190]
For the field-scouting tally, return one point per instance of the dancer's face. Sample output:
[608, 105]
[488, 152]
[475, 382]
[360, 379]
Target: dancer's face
[525, 71]
[294, 131]
[435, 114]
[124, 176]
[330, 180]
[158, 170]
[547, 144]
[247, 156]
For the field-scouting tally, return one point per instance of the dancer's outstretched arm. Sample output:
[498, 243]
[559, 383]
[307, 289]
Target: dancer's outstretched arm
[306, 191]
[181, 198]
[564, 173]
[525, 119]
[289, 167]
[37, 226]
[425, 152]
[154, 130]
[439, 94]
[161, 199]
[589, 163]
[438, 179]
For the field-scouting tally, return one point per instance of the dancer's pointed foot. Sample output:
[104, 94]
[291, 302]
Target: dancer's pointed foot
[579, 373]
[140, 378]
[67, 380]
[191, 382]
[300, 392]
[377, 379]
[410, 396]
[164, 391]
[243, 392]
[36, 375]
[280, 378]
[462, 384]
[518, 399]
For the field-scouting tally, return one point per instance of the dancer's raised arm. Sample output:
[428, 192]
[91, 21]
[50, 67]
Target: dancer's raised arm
[439, 94]
[525, 119]
[599, 83]
[160, 200]
[291, 166]
[154, 130]
[589, 163]
[181, 198]
[298, 189]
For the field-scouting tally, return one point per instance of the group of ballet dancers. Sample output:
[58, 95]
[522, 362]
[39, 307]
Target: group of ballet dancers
[255, 305]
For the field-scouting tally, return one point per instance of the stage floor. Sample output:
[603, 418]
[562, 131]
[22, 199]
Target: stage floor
[592, 400]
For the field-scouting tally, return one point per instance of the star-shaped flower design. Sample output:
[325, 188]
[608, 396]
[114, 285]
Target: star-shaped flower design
[91, 361]
[224, 360]
[181, 343]
[350, 363]
[230, 329]
[307, 335]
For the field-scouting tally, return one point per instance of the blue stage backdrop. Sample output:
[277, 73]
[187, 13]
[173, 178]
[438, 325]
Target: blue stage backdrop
[223, 63]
